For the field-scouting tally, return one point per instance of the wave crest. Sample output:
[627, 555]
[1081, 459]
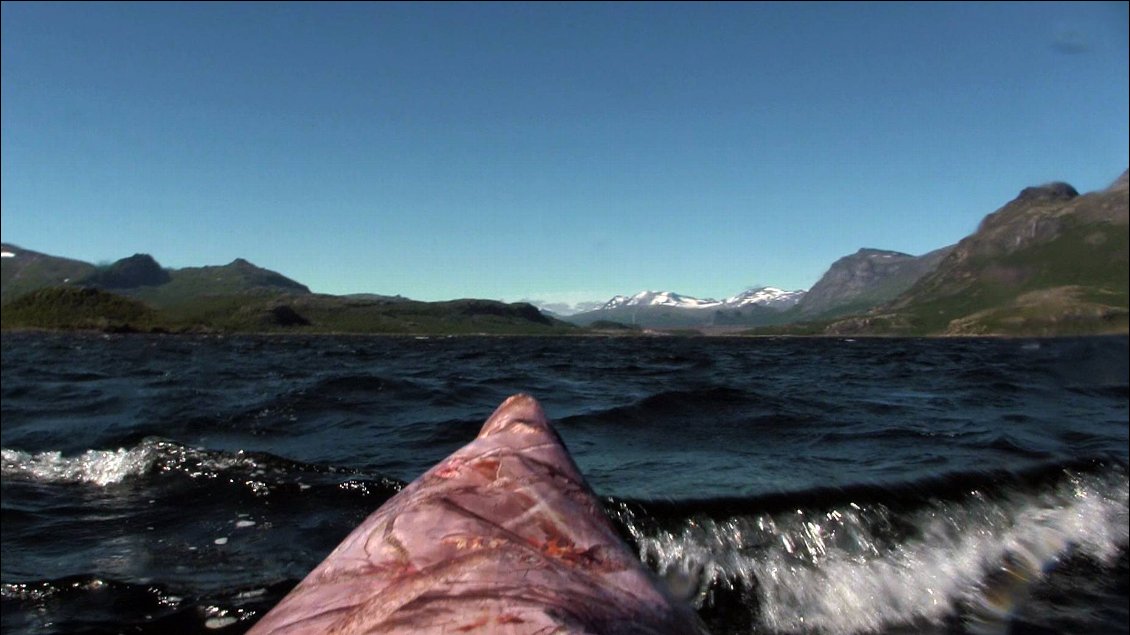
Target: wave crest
[859, 568]
[94, 467]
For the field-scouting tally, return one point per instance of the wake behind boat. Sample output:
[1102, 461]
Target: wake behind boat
[503, 536]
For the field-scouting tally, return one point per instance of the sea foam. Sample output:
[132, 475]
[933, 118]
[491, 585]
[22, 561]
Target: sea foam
[864, 568]
[95, 467]
[108, 467]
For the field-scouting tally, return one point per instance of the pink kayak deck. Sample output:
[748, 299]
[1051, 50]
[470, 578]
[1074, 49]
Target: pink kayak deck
[503, 536]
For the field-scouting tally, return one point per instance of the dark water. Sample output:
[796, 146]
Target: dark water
[183, 484]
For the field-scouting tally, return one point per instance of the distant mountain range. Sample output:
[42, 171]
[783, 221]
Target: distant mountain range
[666, 309]
[853, 284]
[763, 296]
[1049, 262]
[136, 293]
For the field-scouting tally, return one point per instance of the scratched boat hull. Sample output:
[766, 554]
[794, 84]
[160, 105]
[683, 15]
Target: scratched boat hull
[503, 536]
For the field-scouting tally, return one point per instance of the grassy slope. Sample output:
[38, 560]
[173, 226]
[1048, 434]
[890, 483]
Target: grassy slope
[193, 283]
[77, 308]
[30, 271]
[1078, 280]
[1074, 284]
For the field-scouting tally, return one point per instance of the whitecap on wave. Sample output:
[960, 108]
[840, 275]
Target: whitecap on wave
[95, 467]
[865, 568]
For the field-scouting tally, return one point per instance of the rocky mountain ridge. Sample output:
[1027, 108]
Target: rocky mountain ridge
[865, 279]
[1050, 261]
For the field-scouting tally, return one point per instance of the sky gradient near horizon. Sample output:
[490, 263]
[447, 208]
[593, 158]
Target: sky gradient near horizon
[553, 152]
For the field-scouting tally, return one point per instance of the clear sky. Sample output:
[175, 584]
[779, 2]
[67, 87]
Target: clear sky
[545, 151]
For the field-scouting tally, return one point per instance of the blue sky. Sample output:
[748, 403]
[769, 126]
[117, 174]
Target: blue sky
[545, 151]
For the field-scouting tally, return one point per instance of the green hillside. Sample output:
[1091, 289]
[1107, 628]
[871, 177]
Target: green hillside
[23, 271]
[267, 312]
[235, 278]
[1048, 263]
[78, 308]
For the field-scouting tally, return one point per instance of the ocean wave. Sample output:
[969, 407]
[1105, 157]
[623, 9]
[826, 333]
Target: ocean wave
[861, 567]
[680, 404]
[259, 472]
[94, 467]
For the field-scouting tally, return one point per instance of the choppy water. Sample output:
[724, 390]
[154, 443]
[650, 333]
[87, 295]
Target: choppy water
[184, 484]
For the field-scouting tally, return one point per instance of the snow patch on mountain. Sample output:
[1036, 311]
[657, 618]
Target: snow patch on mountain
[660, 298]
[771, 297]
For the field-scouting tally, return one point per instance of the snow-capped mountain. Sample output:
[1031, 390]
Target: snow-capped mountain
[659, 298]
[665, 309]
[770, 297]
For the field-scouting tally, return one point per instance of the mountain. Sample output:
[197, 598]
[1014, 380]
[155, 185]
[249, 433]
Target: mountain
[23, 270]
[1051, 261]
[769, 297]
[658, 298]
[666, 309]
[239, 277]
[137, 294]
[865, 279]
[139, 270]
[138, 276]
